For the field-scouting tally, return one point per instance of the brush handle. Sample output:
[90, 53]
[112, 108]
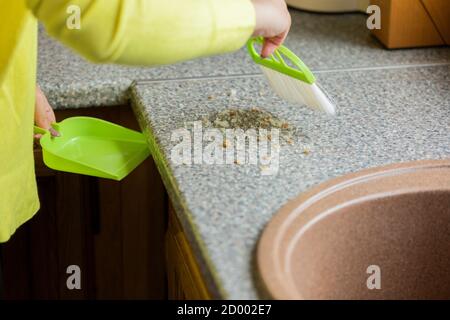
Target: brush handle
[276, 61]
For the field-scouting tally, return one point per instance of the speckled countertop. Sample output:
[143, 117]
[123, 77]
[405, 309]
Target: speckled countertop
[324, 42]
[393, 106]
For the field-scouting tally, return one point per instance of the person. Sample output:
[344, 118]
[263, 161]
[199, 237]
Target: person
[137, 32]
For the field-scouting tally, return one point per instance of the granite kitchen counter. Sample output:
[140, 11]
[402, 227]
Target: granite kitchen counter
[325, 42]
[392, 106]
[385, 116]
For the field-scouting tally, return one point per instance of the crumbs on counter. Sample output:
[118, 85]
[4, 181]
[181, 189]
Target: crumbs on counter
[253, 118]
[306, 150]
[232, 93]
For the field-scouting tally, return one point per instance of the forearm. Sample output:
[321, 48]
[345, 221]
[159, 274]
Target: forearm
[149, 32]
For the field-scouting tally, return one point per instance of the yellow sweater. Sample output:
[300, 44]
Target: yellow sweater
[135, 32]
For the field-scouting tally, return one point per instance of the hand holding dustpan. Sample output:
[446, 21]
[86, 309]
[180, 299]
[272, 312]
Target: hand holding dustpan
[93, 147]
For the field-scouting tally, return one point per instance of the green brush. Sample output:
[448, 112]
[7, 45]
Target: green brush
[293, 82]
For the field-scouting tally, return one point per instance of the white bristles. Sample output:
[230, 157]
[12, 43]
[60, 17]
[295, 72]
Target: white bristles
[299, 92]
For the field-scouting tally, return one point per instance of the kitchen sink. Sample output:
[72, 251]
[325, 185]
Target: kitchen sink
[381, 233]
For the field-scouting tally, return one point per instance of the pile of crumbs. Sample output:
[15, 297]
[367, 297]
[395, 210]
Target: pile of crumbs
[254, 118]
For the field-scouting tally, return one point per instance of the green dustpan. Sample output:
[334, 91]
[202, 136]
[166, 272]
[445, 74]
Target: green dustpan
[93, 147]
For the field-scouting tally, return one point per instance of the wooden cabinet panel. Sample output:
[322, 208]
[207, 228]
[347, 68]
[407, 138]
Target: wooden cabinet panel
[37, 256]
[406, 23]
[108, 243]
[144, 222]
[185, 281]
[16, 278]
[439, 11]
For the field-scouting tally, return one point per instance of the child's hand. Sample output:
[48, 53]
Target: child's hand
[43, 114]
[273, 22]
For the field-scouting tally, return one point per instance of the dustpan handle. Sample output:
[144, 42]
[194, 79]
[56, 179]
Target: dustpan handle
[54, 132]
[39, 130]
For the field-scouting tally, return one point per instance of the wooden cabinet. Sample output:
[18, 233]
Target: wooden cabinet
[183, 274]
[413, 23]
[114, 231]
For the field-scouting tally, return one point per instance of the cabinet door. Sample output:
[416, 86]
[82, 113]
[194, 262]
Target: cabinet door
[185, 281]
[36, 258]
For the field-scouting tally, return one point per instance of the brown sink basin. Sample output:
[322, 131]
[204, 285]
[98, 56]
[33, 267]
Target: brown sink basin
[381, 233]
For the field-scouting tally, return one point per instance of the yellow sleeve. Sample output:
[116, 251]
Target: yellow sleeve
[147, 32]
